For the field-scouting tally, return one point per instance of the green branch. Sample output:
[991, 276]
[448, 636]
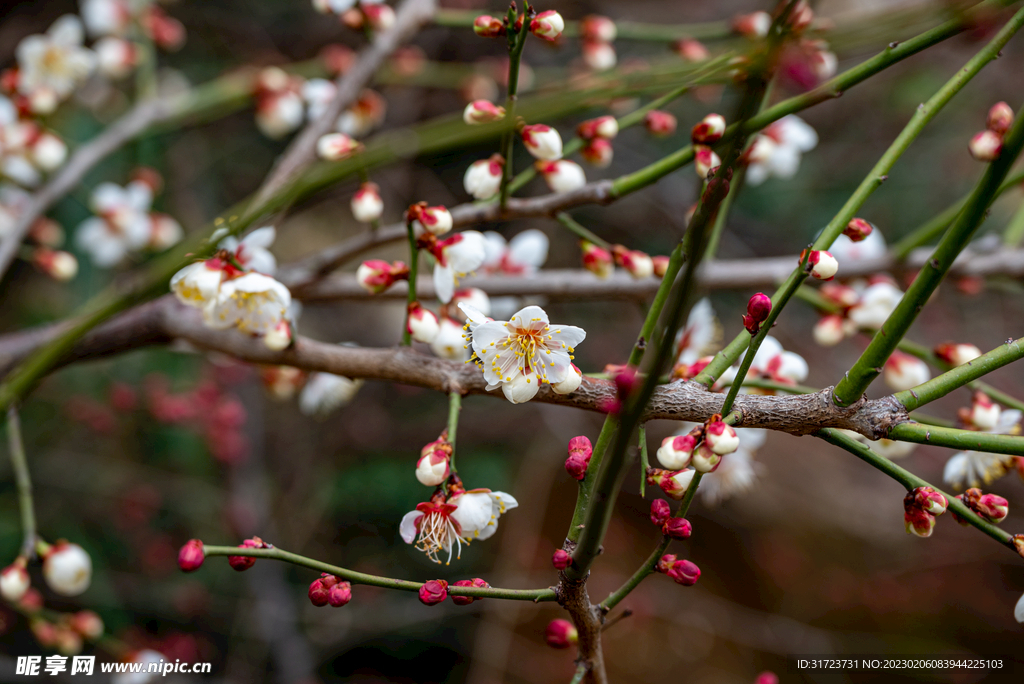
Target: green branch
[928, 356]
[954, 438]
[19, 464]
[414, 267]
[960, 376]
[535, 595]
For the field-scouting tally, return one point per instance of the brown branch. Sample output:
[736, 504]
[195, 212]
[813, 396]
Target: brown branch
[165, 320]
[729, 274]
[302, 150]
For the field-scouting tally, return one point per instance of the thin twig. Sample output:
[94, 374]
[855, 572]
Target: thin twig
[24, 481]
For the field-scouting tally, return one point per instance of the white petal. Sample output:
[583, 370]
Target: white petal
[529, 249]
[769, 349]
[530, 316]
[261, 237]
[494, 248]
[473, 512]
[67, 30]
[798, 133]
[407, 528]
[1018, 611]
[444, 283]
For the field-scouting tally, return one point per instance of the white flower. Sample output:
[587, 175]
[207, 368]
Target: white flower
[974, 468]
[251, 251]
[599, 56]
[325, 392]
[483, 177]
[448, 342]
[737, 472]
[772, 361]
[891, 449]
[463, 517]
[457, 257]
[67, 569]
[563, 175]
[253, 303]
[115, 57]
[48, 152]
[107, 17]
[523, 352]
[871, 247]
[875, 305]
[122, 224]
[523, 255]
[56, 61]
[777, 151]
[198, 284]
[572, 382]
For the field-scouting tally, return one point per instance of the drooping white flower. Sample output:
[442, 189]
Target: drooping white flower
[325, 392]
[56, 61]
[444, 525]
[737, 472]
[777, 151]
[67, 569]
[457, 257]
[520, 354]
[974, 468]
[251, 252]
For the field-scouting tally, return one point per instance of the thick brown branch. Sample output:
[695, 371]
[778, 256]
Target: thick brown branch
[165, 320]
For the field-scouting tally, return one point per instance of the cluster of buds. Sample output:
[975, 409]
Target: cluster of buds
[597, 260]
[560, 634]
[597, 34]
[758, 308]
[861, 305]
[466, 600]
[482, 112]
[433, 466]
[580, 450]
[986, 145]
[708, 130]
[661, 516]
[483, 177]
[820, 264]
[433, 592]
[598, 134]
[956, 354]
[376, 276]
[681, 571]
[367, 205]
[983, 415]
[638, 264]
[329, 590]
[242, 563]
[659, 123]
[920, 507]
[703, 447]
[990, 507]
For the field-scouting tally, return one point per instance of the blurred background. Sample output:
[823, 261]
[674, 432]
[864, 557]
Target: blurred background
[133, 456]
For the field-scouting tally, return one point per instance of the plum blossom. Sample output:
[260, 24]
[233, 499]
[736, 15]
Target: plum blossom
[55, 62]
[444, 524]
[777, 151]
[67, 569]
[520, 354]
[522, 256]
[26, 149]
[973, 468]
[864, 305]
[457, 257]
[872, 246]
[772, 362]
[737, 472]
[700, 334]
[251, 252]
[325, 392]
[448, 342]
[122, 224]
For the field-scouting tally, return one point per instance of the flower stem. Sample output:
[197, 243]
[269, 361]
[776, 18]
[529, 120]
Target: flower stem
[535, 595]
[24, 483]
[911, 481]
[960, 376]
[955, 438]
[516, 43]
[644, 459]
[928, 356]
[581, 231]
[414, 262]
[1014, 231]
[454, 407]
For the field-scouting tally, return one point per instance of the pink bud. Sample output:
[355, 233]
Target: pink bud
[606, 127]
[581, 446]
[858, 229]
[684, 572]
[576, 465]
[466, 600]
[677, 528]
[191, 556]
[704, 160]
[379, 16]
[709, 130]
[767, 678]
[927, 499]
[14, 581]
[543, 142]
[433, 592]
[598, 153]
[561, 559]
[721, 437]
[319, 593]
[753, 25]
[242, 563]
[596, 259]
[598, 55]
[547, 25]
[676, 451]
[638, 264]
[562, 176]
[673, 483]
[597, 28]
[957, 354]
[992, 507]
[758, 308]
[482, 111]
[336, 146]
[986, 146]
[660, 512]
[1000, 118]
[691, 50]
[560, 634]
[660, 123]
[59, 265]
[660, 265]
[487, 26]
[823, 265]
[339, 594]
[88, 624]
[918, 521]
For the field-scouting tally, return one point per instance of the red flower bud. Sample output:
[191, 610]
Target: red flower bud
[241, 563]
[339, 594]
[433, 592]
[758, 309]
[767, 678]
[660, 123]
[1000, 118]
[191, 556]
[561, 559]
[466, 600]
[319, 593]
[660, 512]
[666, 562]
[576, 465]
[677, 528]
[684, 572]
[560, 634]
[858, 229]
[581, 445]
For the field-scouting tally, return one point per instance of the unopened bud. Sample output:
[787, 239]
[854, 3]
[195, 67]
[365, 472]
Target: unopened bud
[957, 354]
[562, 176]
[376, 276]
[660, 512]
[660, 265]
[483, 177]
[992, 507]
[597, 260]
[984, 412]
[560, 634]
[677, 528]
[576, 466]
[927, 499]
[242, 563]
[1000, 118]
[581, 445]
[547, 25]
[705, 459]
[918, 521]
[597, 28]
[191, 556]
[542, 141]
[709, 130]
[279, 337]
[902, 371]
[753, 25]
[336, 146]
[673, 483]
[598, 55]
[660, 123]
[721, 437]
[339, 594]
[88, 624]
[14, 581]
[986, 146]
[691, 50]
[676, 451]
[561, 559]
[487, 26]
[638, 264]
[67, 569]
[572, 381]
[59, 265]
[437, 220]
[767, 677]
[433, 592]
[319, 593]
[466, 600]
[482, 111]
[684, 572]
[823, 265]
[367, 205]
[758, 308]
[598, 153]
[704, 160]
[606, 127]
[858, 229]
[379, 16]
